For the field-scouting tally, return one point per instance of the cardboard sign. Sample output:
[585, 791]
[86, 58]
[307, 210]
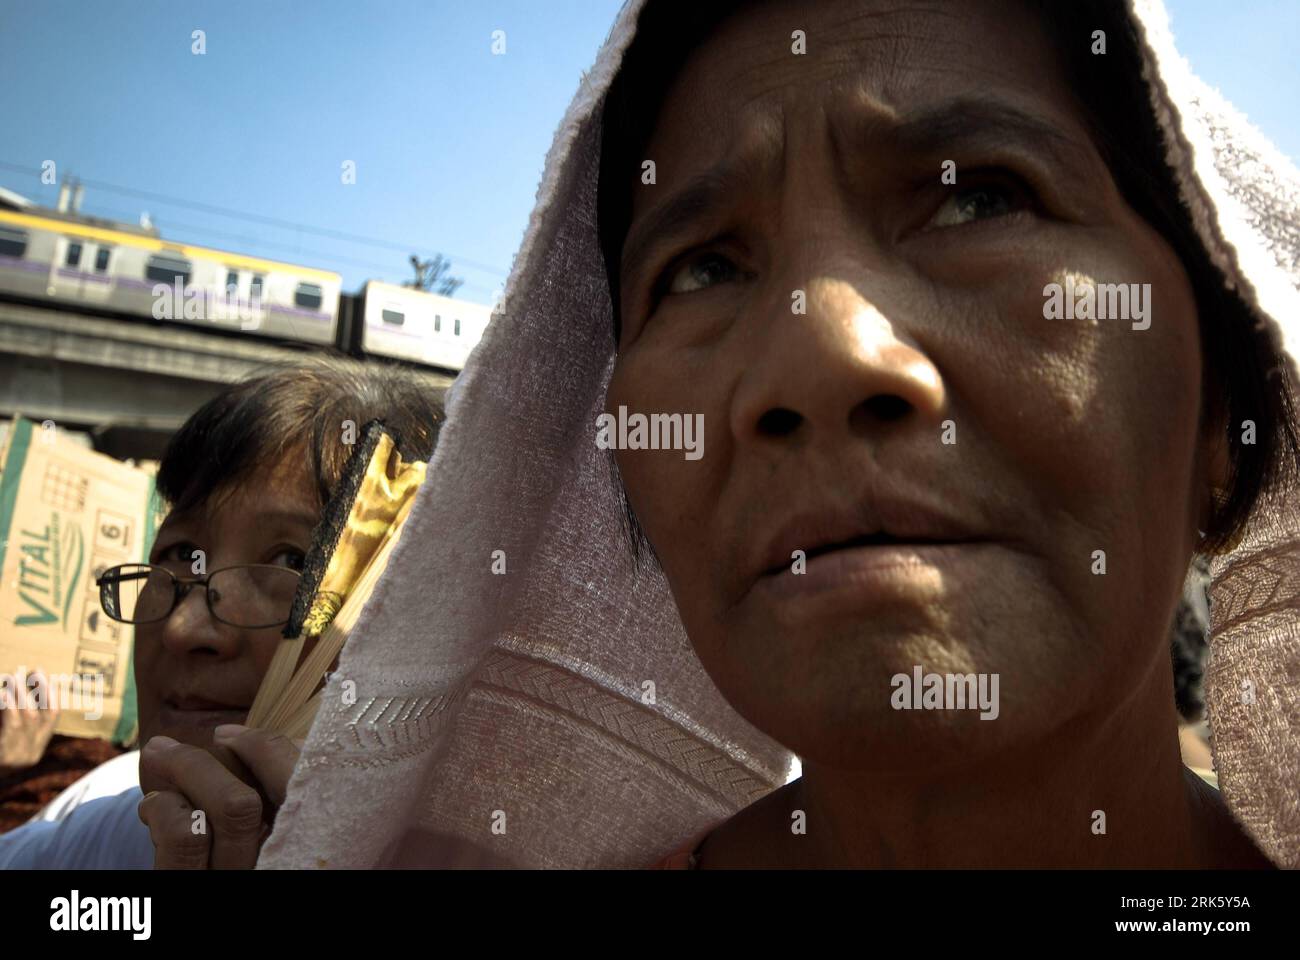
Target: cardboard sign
[66, 515]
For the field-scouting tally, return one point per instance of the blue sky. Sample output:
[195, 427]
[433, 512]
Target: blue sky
[448, 139]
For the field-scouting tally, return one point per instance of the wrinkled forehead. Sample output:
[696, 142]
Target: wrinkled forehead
[861, 67]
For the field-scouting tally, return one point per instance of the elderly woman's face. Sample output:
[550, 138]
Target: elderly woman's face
[886, 391]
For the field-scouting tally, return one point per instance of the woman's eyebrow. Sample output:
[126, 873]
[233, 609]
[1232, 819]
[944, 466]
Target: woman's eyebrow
[702, 196]
[978, 121]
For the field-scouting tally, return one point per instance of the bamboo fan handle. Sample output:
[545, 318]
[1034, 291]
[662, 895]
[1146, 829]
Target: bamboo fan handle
[277, 678]
[296, 704]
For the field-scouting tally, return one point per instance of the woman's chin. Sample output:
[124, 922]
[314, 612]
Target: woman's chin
[195, 726]
[903, 714]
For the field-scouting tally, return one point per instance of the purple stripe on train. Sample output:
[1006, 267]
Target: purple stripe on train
[18, 263]
[82, 275]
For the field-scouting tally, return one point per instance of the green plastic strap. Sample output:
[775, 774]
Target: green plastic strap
[125, 731]
[20, 440]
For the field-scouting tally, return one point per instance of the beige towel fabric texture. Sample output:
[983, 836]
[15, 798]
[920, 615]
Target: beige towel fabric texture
[519, 701]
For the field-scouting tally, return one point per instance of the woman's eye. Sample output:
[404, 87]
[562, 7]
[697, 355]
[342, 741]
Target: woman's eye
[179, 554]
[983, 202]
[291, 558]
[700, 272]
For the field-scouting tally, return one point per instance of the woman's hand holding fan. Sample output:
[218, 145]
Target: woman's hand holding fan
[199, 812]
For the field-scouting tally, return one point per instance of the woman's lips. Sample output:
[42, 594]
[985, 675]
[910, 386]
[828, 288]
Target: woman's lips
[199, 713]
[856, 578]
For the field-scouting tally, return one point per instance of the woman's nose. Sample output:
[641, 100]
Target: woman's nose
[846, 368]
[191, 628]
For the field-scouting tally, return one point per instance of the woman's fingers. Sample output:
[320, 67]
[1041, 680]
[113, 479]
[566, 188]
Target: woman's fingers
[270, 756]
[25, 731]
[231, 809]
[176, 844]
[184, 780]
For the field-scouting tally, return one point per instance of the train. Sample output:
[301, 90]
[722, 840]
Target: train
[104, 266]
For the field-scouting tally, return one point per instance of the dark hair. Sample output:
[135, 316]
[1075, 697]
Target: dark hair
[257, 422]
[1188, 649]
[1245, 378]
[666, 35]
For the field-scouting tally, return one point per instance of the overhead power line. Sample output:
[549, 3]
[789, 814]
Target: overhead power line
[259, 218]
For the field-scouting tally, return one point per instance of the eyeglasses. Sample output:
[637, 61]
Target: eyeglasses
[247, 595]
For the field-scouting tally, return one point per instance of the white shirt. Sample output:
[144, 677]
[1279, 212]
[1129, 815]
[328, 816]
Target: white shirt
[92, 825]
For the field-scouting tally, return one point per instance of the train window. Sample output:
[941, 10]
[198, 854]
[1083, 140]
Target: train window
[308, 295]
[437, 323]
[13, 243]
[101, 259]
[394, 317]
[74, 254]
[456, 332]
[167, 270]
[232, 283]
[255, 287]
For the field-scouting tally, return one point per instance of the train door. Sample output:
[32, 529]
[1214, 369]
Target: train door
[232, 298]
[96, 272]
[81, 270]
[66, 266]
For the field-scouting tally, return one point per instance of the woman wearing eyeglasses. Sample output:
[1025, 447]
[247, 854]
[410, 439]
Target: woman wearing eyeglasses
[245, 480]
